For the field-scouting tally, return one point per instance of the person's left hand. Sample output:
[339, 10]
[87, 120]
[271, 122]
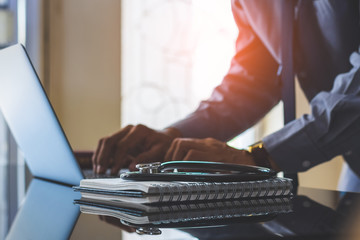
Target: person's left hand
[208, 149]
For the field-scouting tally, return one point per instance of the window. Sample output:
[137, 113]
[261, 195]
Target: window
[174, 52]
[12, 166]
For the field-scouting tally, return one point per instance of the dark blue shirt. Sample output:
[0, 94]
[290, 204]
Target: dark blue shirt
[326, 62]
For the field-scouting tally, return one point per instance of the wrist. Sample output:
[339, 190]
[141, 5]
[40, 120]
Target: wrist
[261, 157]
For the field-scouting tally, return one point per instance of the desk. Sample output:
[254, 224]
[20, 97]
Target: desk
[48, 212]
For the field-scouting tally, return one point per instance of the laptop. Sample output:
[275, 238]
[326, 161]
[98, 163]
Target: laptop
[32, 120]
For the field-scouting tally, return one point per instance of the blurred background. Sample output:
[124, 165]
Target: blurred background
[109, 63]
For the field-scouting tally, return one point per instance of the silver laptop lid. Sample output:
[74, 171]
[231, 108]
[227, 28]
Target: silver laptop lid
[32, 119]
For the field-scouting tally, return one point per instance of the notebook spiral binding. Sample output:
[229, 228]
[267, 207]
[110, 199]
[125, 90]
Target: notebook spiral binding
[196, 191]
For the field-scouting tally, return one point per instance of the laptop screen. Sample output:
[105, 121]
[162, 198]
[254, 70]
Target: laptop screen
[32, 120]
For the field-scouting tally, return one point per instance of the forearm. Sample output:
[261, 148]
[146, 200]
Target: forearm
[333, 127]
[249, 90]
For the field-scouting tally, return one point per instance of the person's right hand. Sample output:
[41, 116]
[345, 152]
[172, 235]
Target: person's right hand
[130, 146]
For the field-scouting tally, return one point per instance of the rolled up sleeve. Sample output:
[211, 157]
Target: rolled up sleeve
[332, 128]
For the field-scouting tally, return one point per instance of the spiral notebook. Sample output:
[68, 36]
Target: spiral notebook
[141, 214]
[117, 189]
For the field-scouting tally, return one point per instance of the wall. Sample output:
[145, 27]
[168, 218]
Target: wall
[82, 52]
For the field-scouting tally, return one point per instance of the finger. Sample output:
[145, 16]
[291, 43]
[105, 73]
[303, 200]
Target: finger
[170, 152]
[196, 155]
[107, 148]
[109, 143]
[234, 156]
[95, 155]
[152, 155]
[180, 150]
[183, 146]
[103, 158]
[118, 165]
[131, 141]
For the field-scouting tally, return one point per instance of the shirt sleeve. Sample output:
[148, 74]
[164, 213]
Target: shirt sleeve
[248, 91]
[332, 128]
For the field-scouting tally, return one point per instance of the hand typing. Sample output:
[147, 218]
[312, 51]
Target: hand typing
[130, 146]
[207, 149]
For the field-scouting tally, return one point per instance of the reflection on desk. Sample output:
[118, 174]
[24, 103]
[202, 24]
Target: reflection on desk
[148, 218]
[49, 213]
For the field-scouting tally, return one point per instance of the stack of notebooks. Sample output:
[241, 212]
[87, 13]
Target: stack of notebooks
[117, 189]
[149, 202]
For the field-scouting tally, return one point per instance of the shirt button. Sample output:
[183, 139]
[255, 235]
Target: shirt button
[306, 204]
[348, 153]
[306, 164]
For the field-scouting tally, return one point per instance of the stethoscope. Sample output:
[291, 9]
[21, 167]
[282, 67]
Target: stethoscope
[198, 171]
